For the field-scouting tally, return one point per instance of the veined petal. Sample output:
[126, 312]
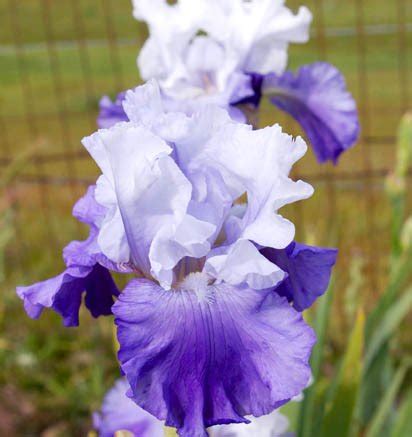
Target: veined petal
[318, 99]
[309, 269]
[64, 293]
[120, 413]
[196, 362]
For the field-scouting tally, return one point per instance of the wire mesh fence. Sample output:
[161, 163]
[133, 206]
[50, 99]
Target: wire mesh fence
[58, 58]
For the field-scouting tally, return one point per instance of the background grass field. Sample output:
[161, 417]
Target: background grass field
[56, 60]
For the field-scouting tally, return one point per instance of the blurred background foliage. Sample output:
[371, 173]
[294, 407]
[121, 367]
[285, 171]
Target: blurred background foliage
[57, 59]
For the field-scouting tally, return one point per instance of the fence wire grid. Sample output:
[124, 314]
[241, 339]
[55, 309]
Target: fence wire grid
[59, 57]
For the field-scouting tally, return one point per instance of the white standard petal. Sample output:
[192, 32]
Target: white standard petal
[243, 263]
[126, 155]
[170, 245]
[112, 238]
[278, 28]
[147, 203]
[147, 105]
[171, 27]
[144, 104]
[258, 163]
[267, 27]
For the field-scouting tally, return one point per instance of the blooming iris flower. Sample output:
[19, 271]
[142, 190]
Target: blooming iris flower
[234, 52]
[120, 413]
[206, 330]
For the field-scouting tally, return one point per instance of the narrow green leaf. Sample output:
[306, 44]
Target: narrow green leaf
[399, 274]
[339, 411]
[403, 423]
[390, 322]
[374, 383]
[387, 403]
[308, 409]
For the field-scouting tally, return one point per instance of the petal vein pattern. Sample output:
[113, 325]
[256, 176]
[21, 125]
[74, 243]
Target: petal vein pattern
[197, 363]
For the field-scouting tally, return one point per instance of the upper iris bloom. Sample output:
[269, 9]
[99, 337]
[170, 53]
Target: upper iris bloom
[203, 50]
[233, 52]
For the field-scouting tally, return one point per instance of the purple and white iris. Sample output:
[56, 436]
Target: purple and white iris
[207, 335]
[234, 52]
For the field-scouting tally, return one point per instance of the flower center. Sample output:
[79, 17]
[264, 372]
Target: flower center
[199, 283]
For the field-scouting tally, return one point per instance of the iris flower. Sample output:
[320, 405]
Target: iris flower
[206, 328]
[232, 53]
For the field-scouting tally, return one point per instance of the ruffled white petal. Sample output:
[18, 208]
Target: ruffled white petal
[148, 222]
[256, 163]
[171, 28]
[242, 263]
[256, 33]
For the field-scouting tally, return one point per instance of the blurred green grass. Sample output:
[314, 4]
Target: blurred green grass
[51, 377]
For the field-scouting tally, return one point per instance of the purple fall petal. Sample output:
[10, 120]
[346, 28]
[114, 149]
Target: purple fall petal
[63, 293]
[318, 99]
[200, 359]
[309, 269]
[111, 112]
